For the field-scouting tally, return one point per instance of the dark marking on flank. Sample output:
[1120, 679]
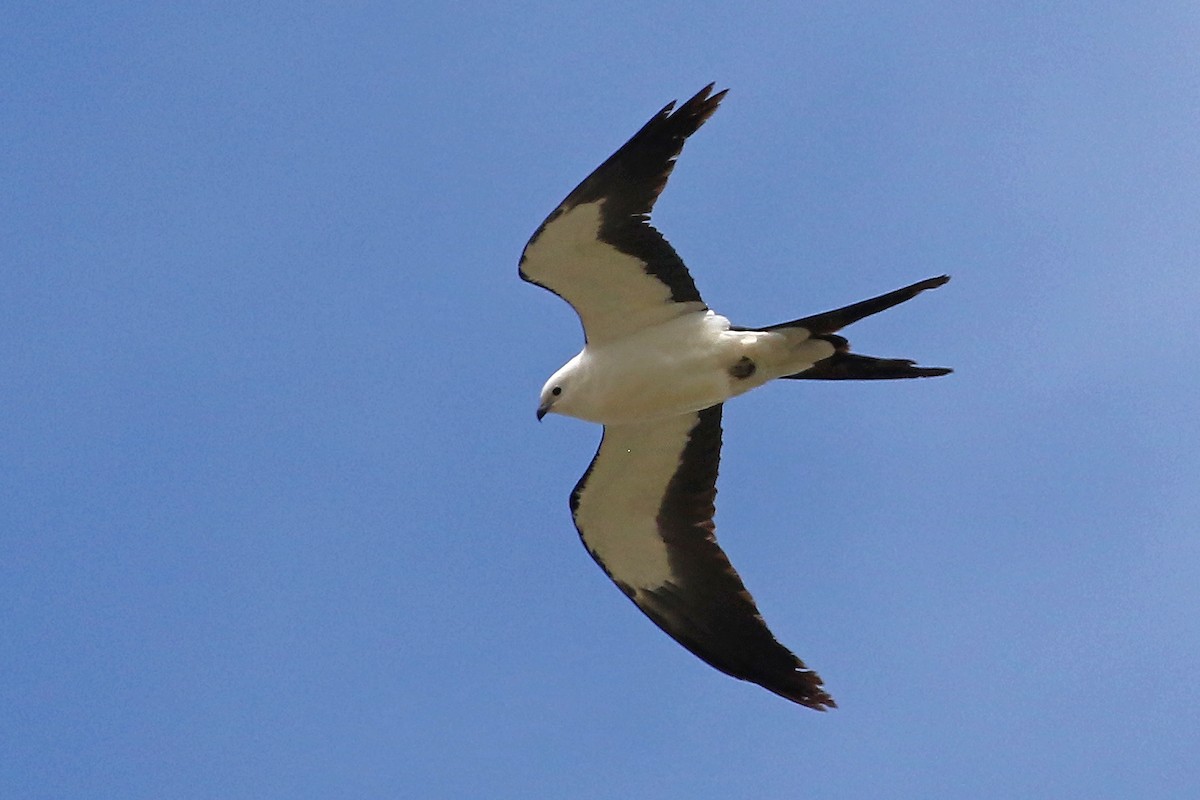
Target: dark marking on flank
[743, 369]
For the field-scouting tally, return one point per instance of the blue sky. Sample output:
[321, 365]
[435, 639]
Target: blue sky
[276, 519]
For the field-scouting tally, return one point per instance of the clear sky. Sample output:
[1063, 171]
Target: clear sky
[277, 520]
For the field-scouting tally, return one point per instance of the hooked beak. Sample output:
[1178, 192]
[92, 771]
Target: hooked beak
[542, 411]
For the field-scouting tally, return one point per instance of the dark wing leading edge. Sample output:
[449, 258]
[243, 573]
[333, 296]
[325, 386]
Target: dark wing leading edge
[644, 510]
[598, 250]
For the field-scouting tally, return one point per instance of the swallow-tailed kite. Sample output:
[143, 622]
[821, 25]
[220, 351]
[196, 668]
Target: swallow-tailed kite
[655, 369]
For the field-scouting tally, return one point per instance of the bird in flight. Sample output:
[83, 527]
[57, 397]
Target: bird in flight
[656, 368]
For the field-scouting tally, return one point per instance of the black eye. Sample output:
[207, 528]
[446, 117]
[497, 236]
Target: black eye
[556, 391]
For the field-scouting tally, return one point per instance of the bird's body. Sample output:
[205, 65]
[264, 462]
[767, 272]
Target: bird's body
[655, 370]
[687, 363]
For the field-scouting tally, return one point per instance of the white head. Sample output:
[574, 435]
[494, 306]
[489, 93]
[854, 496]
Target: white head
[558, 394]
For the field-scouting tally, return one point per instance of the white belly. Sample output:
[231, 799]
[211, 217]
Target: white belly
[665, 370]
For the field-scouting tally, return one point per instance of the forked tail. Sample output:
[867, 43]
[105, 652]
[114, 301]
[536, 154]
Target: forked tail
[844, 365]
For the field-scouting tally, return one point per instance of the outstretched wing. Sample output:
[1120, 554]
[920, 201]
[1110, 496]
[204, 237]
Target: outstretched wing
[598, 250]
[644, 510]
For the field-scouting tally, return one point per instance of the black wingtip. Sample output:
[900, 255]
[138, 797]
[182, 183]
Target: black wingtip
[806, 690]
[695, 110]
[706, 99]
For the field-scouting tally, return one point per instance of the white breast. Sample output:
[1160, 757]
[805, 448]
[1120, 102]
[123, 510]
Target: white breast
[661, 371]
